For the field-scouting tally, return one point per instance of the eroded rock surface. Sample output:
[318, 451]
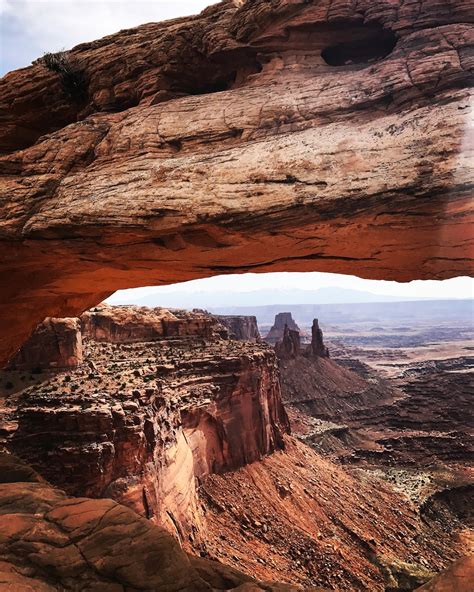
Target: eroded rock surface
[283, 320]
[50, 542]
[142, 421]
[129, 324]
[458, 577]
[243, 328]
[257, 136]
[290, 345]
[190, 432]
[297, 517]
[55, 343]
[317, 348]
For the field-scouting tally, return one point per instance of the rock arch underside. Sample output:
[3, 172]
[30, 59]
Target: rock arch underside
[226, 142]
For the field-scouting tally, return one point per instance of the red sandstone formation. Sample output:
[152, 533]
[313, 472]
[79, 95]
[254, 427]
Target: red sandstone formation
[54, 542]
[457, 578]
[141, 421]
[126, 324]
[283, 320]
[55, 343]
[181, 430]
[317, 348]
[242, 328]
[258, 136]
[290, 345]
[295, 516]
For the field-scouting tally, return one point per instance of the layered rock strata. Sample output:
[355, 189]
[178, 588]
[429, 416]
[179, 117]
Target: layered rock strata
[116, 324]
[55, 343]
[142, 421]
[242, 328]
[257, 136]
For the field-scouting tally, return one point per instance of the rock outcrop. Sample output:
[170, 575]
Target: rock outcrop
[258, 136]
[242, 328]
[319, 386]
[457, 578]
[142, 421]
[130, 324]
[55, 542]
[294, 516]
[55, 343]
[283, 321]
[317, 347]
[290, 345]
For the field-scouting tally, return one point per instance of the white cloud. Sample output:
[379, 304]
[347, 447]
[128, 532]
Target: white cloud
[32, 27]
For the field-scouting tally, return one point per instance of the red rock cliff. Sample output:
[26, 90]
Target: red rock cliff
[140, 421]
[129, 324]
[243, 328]
[55, 343]
[55, 542]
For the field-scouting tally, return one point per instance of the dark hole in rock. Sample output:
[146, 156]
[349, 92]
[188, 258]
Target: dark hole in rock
[218, 85]
[361, 51]
[225, 80]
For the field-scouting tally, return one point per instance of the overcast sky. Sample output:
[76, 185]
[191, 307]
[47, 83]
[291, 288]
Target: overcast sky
[462, 287]
[30, 28]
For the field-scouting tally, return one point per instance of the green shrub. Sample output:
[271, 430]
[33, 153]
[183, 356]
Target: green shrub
[73, 79]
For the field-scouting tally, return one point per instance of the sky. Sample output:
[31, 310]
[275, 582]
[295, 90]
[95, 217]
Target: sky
[462, 287]
[30, 28]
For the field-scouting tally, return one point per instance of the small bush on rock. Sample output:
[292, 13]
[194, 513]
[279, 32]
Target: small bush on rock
[73, 79]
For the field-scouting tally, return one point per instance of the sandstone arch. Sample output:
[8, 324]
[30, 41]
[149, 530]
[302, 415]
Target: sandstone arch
[225, 143]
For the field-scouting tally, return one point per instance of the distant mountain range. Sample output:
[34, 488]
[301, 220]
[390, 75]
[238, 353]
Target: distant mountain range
[265, 297]
[406, 312]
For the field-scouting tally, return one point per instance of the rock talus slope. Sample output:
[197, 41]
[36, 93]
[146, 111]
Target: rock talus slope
[258, 136]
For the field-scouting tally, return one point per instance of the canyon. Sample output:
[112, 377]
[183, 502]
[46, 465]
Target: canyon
[174, 450]
[170, 415]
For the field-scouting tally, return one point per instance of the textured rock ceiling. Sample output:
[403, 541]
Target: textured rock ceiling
[329, 135]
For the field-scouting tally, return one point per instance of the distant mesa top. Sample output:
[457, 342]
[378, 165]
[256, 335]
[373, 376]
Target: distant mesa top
[282, 320]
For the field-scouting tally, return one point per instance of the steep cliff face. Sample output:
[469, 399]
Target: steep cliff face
[246, 419]
[321, 387]
[126, 324]
[290, 346]
[243, 328]
[140, 421]
[55, 343]
[257, 136]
